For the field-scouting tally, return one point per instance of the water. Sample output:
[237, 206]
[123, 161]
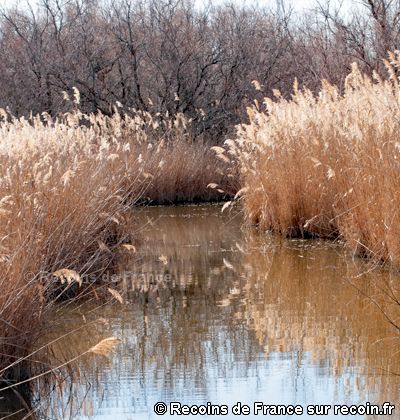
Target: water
[220, 314]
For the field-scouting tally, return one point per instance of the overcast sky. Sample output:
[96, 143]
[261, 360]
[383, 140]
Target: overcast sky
[299, 5]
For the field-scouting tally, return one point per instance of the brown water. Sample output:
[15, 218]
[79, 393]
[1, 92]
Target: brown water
[216, 313]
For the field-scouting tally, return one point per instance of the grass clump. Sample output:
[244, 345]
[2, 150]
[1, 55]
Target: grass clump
[65, 186]
[327, 165]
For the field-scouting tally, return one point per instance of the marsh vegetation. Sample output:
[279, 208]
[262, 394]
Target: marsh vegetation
[112, 105]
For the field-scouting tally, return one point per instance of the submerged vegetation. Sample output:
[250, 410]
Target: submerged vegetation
[328, 164]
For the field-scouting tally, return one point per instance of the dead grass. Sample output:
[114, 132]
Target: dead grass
[328, 164]
[65, 186]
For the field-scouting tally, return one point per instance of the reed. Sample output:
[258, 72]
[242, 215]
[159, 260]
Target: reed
[328, 164]
[65, 186]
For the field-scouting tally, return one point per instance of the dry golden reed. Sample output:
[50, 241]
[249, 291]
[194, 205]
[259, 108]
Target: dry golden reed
[65, 186]
[327, 164]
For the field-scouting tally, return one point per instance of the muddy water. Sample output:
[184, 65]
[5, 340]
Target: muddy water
[216, 313]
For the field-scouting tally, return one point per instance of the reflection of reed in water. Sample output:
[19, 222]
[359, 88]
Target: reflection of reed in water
[222, 310]
[309, 298]
[168, 333]
[183, 247]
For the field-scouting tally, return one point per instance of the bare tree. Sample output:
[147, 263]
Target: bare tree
[170, 56]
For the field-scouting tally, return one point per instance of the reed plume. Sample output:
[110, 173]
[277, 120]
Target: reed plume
[327, 164]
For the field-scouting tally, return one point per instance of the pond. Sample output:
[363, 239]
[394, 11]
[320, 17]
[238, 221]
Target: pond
[216, 313]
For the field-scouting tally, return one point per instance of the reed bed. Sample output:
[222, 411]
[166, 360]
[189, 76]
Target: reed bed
[328, 164]
[65, 186]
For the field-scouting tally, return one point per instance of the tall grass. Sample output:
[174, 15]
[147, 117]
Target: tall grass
[65, 186]
[327, 164]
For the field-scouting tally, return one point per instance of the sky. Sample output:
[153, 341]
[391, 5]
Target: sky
[299, 5]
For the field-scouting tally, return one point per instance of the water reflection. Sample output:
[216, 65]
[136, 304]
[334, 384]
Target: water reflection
[220, 314]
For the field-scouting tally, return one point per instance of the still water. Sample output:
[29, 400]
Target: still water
[214, 312]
